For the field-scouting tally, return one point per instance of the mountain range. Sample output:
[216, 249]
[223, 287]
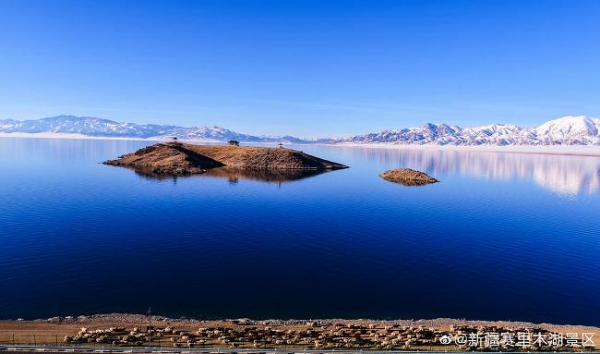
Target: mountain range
[98, 127]
[570, 130]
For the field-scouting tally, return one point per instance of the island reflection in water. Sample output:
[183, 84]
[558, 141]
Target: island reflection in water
[262, 175]
[234, 175]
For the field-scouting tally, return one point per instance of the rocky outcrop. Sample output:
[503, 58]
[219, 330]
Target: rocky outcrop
[167, 159]
[183, 159]
[408, 177]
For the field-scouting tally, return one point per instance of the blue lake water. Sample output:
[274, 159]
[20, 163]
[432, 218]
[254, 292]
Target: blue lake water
[503, 236]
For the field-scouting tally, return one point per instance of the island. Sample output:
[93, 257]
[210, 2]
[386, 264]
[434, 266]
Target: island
[408, 177]
[174, 158]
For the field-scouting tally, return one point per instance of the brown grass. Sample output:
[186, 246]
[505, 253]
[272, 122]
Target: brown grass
[177, 159]
[52, 333]
[407, 177]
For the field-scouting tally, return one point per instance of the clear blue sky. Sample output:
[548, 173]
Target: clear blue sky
[305, 68]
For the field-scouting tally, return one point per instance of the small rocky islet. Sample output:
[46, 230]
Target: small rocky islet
[176, 159]
[408, 177]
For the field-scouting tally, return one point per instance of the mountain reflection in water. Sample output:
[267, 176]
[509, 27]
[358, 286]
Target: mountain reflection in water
[561, 174]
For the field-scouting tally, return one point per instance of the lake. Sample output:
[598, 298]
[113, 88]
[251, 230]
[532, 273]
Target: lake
[504, 236]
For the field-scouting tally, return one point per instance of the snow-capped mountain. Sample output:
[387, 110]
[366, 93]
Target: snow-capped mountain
[98, 127]
[571, 130]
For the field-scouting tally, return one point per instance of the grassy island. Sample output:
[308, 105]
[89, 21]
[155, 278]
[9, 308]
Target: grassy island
[183, 159]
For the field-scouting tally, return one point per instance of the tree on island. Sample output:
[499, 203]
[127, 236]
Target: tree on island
[234, 143]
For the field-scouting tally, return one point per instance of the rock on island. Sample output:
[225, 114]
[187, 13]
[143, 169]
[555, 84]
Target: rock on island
[175, 158]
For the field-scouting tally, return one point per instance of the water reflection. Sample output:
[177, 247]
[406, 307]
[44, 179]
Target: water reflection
[263, 175]
[62, 150]
[234, 175]
[148, 174]
[562, 174]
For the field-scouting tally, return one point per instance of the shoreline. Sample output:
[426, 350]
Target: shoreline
[138, 317]
[565, 150]
[129, 316]
[111, 329]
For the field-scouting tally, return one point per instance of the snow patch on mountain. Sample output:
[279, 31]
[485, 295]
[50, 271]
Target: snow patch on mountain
[574, 129]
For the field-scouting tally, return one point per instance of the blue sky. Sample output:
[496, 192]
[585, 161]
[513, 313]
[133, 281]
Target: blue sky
[304, 68]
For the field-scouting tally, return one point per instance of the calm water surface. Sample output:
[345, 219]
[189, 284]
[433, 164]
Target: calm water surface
[504, 236]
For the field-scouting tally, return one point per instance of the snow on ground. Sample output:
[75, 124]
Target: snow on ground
[553, 150]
